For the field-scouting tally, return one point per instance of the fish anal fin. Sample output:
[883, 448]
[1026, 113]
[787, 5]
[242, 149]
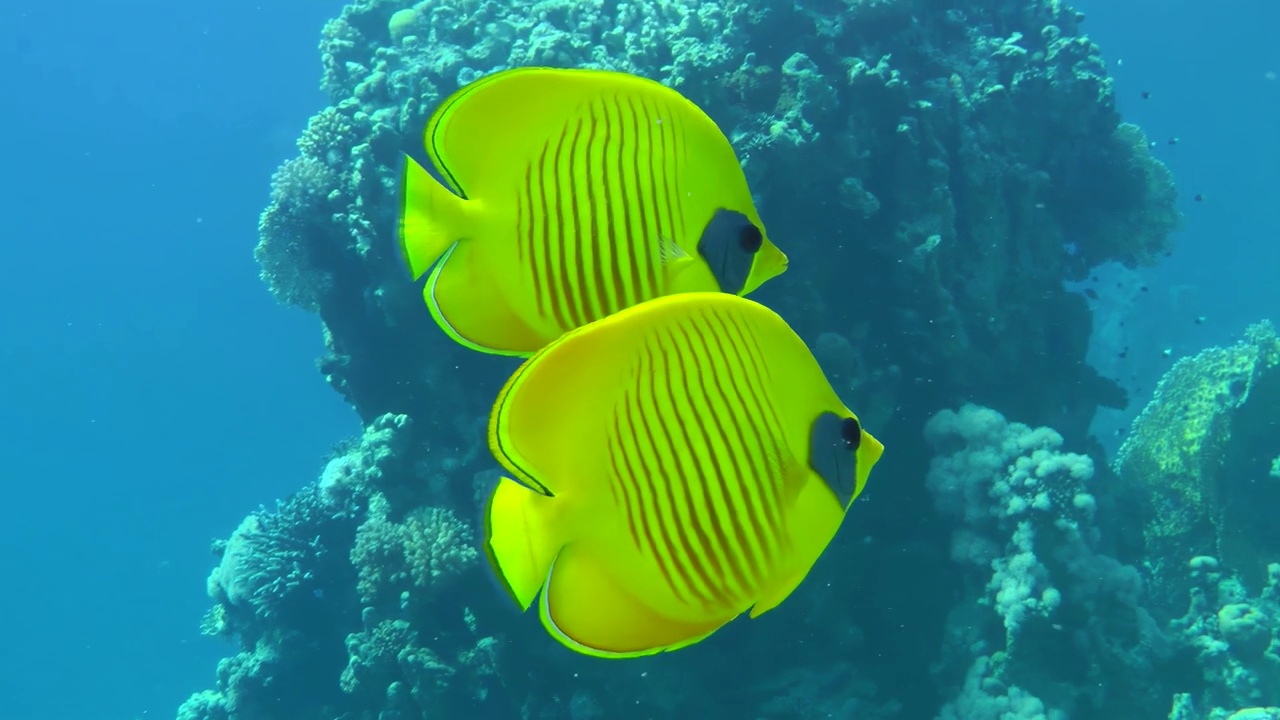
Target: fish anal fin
[588, 610]
[487, 325]
[521, 539]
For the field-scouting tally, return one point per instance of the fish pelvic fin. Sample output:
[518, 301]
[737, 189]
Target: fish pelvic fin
[521, 539]
[432, 218]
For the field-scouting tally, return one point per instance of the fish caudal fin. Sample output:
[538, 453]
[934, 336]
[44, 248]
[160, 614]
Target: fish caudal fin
[521, 539]
[432, 219]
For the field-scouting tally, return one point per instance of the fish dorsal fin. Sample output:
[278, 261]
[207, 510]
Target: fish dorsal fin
[485, 135]
[549, 418]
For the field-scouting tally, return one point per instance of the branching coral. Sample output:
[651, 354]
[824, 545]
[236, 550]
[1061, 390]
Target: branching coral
[1234, 639]
[421, 553]
[1028, 539]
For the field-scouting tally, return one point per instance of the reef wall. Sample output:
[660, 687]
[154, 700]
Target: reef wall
[935, 170]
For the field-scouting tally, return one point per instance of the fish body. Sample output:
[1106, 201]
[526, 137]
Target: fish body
[573, 194]
[675, 465]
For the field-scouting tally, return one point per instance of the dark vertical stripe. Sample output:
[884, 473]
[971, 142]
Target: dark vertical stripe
[676, 455]
[757, 353]
[574, 289]
[709, 466]
[699, 472]
[625, 199]
[627, 279]
[613, 288]
[748, 395]
[706, 351]
[754, 353]
[650, 511]
[542, 242]
[746, 432]
[650, 246]
[552, 239]
[597, 202]
[528, 239]
[624, 476]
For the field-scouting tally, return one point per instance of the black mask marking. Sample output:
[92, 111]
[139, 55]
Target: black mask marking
[729, 245]
[833, 453]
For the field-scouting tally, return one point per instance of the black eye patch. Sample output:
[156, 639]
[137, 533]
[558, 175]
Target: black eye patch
[833, 453]
[729, 244]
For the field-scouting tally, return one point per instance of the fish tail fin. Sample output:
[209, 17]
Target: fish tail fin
[432, 218]
[521, 538]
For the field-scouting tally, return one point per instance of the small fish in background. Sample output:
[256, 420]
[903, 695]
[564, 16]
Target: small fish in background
[575, 194]
[676, 464]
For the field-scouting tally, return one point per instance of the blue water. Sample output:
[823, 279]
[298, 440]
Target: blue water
[1205, 67]
[151, 393]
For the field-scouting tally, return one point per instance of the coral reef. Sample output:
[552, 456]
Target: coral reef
[935, 174]
[1046, 616]
[1234, 641]
[339, 582]
[960, 164]
[1199, 457]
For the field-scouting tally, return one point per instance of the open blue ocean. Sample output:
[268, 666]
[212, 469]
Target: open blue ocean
[253, 459]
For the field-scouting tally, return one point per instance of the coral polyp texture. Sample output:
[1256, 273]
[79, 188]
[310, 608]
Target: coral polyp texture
[936, 173]
[1200, 458]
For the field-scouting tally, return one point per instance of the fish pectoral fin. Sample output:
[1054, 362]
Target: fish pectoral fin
[774, 596]
[521, 539]
[432, 219]
[689, 274]
[589, 611]
[467, 304]
[670, 251]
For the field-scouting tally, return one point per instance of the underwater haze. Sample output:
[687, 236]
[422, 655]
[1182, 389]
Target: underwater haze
[1032, 247]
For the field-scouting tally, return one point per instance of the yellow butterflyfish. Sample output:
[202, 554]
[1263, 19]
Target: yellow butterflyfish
[676, 464]
[575, 194]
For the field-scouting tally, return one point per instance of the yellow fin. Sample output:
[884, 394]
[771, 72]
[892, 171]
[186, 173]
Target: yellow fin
[466, 303]
[588, 611]
[521, 539]
[480, 137]
[546, 421]
[432, 219]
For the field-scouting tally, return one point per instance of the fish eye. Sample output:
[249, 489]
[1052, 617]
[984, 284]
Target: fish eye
[851, 433]
[750, 238]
